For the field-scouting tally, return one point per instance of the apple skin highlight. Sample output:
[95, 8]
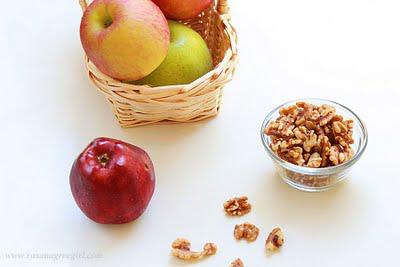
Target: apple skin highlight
[125, 39]
[112, 181]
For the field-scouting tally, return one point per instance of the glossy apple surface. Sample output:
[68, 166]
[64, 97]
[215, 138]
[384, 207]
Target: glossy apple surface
[112, 181]
[125, 39]
[188, 58]
[182, 9]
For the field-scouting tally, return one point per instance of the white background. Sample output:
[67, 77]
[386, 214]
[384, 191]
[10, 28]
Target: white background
[344, 50]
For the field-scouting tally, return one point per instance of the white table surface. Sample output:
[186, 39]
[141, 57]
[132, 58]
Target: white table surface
[348, 51]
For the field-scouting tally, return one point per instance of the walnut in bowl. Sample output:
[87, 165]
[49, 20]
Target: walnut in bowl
[313, 142]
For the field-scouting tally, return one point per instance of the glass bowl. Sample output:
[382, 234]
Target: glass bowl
[316, 179]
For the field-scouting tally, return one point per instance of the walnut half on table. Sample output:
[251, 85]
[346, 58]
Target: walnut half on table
[246, 231]
[275, 239]
[237, 263]
[237, 206]
[181, 249]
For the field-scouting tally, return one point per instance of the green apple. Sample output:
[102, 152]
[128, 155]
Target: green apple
[188, 58]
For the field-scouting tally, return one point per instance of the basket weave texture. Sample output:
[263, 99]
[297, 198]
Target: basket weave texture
[135, 105]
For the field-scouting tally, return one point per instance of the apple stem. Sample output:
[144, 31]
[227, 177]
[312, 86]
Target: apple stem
[107, 22]
[103, 159]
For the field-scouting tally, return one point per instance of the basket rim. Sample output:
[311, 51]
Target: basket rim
[230, 56]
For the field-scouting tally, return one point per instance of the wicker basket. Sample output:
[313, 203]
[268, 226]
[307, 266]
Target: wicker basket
[135, 105]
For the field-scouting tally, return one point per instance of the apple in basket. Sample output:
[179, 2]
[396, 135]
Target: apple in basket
[188, 58]
[182, 9]
[112, 181]
[125, 39]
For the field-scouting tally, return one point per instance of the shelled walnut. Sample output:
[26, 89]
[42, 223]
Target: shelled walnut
[313, 136]
[181, 250]
[237, 206]
[246, 231]
[237, 263]
[275, 239]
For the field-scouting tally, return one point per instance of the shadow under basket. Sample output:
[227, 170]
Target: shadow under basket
[135, 105]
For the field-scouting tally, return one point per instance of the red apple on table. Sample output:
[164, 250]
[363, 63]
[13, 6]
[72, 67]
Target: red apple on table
[182, 9]
[112, 181]
[125, 39]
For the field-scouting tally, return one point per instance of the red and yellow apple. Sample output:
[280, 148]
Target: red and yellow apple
[125, 39]
[112, 181]
[182, 9]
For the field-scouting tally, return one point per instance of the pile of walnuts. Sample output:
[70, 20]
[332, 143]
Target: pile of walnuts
[309, 135]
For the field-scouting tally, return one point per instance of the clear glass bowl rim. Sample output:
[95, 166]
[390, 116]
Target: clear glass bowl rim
[308, 170]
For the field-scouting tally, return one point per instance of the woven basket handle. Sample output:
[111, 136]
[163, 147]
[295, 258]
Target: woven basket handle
[222, 6]
[83, 4]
